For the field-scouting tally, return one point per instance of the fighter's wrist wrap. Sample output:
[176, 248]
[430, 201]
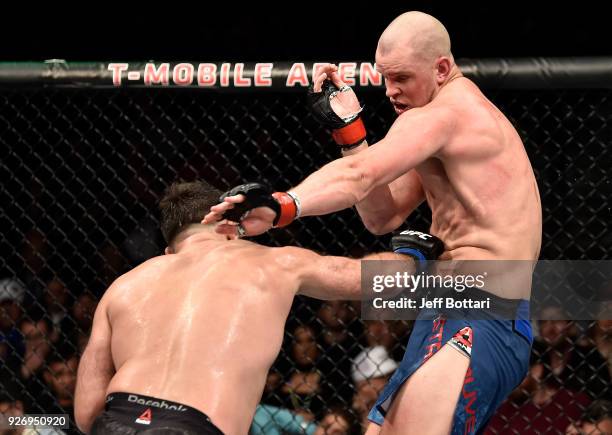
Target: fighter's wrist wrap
[298, 203]
[350, 136]
[288, 209]
[285, 205]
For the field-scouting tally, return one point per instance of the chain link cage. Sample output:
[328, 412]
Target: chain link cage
[83, 168]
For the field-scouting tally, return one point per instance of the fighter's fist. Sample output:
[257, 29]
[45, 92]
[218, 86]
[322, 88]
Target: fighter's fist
[420, 246]
[252, 209]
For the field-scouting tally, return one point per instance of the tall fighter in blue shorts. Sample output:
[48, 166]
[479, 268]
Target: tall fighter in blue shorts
[451, 147]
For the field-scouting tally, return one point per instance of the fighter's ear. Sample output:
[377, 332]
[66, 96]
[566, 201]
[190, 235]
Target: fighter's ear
[168, 250]
[443, 68]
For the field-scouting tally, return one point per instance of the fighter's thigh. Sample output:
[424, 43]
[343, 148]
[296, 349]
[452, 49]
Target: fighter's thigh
[426, 402]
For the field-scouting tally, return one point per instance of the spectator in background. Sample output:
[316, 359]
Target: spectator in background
[56, 300]
[370, 371]
[388, 333]
[338, 338]
[83, 310]
[270, 420]
[12, 345]
[550, 408]
[302, 391]
[82, 313]
[38, 334]
[380, 333]
[601, 334]
[274, 382]
[577, 367]
[76, 327]
[597, 420]
[338, 321]
[337, 422]
[60, 378]
[9, 407]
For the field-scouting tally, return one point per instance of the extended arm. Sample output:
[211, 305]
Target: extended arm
[330, 277]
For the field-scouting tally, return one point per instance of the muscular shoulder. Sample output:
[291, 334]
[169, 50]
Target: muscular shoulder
[125, 283]
[290, 257]
[464, 101]
[291, 261]
[436, 120]
[477, 123]
[272, 261]
[422, 131]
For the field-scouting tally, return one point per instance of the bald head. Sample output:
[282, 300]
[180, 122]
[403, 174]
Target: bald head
[418, 33]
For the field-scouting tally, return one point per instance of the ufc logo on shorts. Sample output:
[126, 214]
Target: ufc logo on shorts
[421, 235]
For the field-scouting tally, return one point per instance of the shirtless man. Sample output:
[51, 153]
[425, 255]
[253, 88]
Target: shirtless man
[453, 148]
[185, 340]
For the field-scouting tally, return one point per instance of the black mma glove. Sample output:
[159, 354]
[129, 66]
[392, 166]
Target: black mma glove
[420, 246]
[260, 195]
[348, 132]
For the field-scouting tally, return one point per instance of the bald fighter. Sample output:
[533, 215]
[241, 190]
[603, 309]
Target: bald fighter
[451, 147]
[182, 344]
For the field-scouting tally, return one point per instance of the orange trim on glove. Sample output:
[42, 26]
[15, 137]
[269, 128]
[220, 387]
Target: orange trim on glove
[352, 134]
[288, 209]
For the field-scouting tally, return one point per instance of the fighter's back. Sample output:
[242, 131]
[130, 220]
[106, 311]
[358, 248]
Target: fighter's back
[201, 328]
[480, 186]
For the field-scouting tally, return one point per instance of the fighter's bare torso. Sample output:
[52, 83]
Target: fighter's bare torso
[183, 320]
[480, 185]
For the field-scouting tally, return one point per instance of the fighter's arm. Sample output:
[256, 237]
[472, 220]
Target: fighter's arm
[329, 277]
[95, 371]
[414, 137]
[386, 207]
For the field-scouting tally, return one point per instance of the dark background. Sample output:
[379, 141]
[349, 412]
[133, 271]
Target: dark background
[294, 30]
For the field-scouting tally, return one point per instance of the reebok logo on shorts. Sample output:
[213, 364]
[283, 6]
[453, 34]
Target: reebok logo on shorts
[145, 417]
[161, 404]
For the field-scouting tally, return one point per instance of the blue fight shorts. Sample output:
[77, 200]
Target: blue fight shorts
[499, 351]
